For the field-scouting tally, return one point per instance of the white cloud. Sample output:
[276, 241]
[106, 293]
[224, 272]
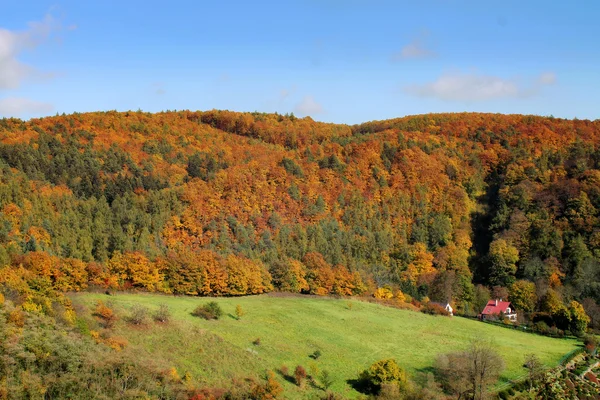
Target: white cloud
[457, 86]
[12, 43]
[308, 106]
[17, 107]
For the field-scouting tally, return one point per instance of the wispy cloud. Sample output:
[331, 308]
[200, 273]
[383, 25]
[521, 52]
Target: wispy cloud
[547, 78]
[308, 106]
[13, 72]
[416, 49]
[158, 88]
[17, 107]
[474, 86]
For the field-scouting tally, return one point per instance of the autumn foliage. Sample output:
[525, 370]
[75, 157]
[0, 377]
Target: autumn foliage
[219, 203]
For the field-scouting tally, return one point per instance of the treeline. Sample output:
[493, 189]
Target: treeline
[224, 203]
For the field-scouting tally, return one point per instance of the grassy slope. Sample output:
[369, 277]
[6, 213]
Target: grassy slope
[292, 328]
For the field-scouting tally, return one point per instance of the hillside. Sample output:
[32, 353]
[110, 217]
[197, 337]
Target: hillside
[220, 202]
[349, 335]
[458, 207]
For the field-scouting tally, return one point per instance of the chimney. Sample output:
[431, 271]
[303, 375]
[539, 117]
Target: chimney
[497, 302]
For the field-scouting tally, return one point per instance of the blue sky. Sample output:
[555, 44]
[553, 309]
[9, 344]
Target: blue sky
[344, 61]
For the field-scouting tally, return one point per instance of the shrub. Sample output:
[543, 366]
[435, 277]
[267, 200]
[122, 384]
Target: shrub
[105, 315]
[271, 389]
[138, 315]
[383, 372]
[208, 311]
[239, 311]
[299, 375]
[284, 370]
[541, 327]
[434, 309]
[163, 314]
[256, 342]
[383, 294]
[326, 379]
[590, 342]
[316, 354]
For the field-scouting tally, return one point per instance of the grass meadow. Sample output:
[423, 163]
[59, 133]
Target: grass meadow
[350, 334]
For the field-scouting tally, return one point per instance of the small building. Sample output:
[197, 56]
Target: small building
[445, 306]
[498, 309]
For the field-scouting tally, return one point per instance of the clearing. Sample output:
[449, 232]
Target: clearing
[350, 335]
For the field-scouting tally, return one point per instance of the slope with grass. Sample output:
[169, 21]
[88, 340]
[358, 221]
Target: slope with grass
[349, 334]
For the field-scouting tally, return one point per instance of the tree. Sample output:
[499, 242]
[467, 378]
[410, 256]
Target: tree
[503, 259]
[471, 371]
[579, 319]
[522, 295]
[593, 311]
[383, 372]
[481, 297]
[535, 369]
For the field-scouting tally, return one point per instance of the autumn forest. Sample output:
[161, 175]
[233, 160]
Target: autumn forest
[448, 207]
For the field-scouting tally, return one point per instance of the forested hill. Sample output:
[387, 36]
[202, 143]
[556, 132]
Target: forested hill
[224, 203]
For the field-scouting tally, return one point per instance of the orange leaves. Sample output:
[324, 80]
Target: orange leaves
[421, 264]
[323, 280]
[135, 269]
[206, 273]
[245, 276]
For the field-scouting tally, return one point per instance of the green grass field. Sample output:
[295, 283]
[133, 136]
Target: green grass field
[292, 328]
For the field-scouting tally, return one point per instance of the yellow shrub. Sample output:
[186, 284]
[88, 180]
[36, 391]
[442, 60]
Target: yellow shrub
[116, 343]
[16, 318]
[30, 306]
[383, 293]
[70, 316]
[400, 296]
[174, 375]
[1, 298]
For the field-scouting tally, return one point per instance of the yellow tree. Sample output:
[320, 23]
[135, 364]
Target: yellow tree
[522, 295]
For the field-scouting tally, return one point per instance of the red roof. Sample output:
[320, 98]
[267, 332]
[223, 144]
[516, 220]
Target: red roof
[496, 307]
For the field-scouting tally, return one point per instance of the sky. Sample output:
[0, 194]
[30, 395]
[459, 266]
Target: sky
[344, 61]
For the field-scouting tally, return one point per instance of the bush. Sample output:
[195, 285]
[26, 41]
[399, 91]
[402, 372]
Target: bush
[271, 389]
[590, 342]
[316, 355]
[105, 315]
[383, 372]
[434, 309]
[208, 311]
[326, 379]
[299, 375]
[284, 370]
[541, 327]
[163, 314]
[239, 312]
[138, 315]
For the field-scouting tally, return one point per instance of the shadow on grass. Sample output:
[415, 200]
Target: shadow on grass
[230, 315]
[287, 377]
[360, 385]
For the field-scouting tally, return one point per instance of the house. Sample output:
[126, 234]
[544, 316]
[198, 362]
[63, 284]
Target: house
[497, 309]
[445, 306]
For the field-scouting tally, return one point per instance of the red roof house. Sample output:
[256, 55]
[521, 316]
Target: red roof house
[496, 308]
